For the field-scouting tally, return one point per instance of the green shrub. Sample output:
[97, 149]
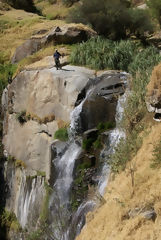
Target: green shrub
[6, 72]
[94, 53]
[52, 1]
[97, 144]
[155, 9]
[61, 134]
[84, 165]
[87, 143]
[69, 2]
[125, 150]
[144, 60]
[100, 53]
[21, 117]
[27, 5]
[122, 55]
[156, 160]
[9, 220]
[113, 19]
[105, 126]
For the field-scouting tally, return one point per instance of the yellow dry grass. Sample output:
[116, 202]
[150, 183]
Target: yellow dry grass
[154, 86]
[21, 27]
[110, 221]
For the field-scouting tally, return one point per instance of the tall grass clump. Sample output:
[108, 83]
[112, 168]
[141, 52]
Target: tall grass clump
[93, 53]
[101, 53]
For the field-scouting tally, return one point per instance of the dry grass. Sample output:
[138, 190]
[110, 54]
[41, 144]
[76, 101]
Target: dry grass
[120, 196]
[20, 26]
[53, 11]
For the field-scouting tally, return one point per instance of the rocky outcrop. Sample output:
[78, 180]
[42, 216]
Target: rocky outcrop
[66, 34]
[153, 97]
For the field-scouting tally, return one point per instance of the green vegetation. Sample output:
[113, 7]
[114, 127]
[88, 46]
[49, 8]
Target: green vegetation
[95, 142]
[61, 134]
[156, 160]
[9, 220]
[155, 9]
[45, 206]
[114, 19]
[27, 5]
[101, 53]
[126, 149]
[104, 126]
[22, 117]
[20, 164]
[7, 70]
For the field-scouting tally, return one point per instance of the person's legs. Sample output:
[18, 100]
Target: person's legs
[57, 63]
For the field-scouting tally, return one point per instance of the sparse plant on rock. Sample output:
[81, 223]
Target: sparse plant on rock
[61, 134]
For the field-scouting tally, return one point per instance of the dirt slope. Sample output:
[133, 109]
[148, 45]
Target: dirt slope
[112, 221]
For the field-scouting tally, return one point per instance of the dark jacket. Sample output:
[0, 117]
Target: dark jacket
[56, 55]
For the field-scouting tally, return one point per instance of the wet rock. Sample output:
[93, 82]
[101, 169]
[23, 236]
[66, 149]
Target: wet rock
[100, 106]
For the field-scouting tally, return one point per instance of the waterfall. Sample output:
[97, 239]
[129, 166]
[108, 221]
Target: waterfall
[75, 115]
[64, 163]
[30, 191]
[115, 135]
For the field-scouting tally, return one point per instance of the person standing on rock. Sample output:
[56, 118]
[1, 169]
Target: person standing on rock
[56, 56]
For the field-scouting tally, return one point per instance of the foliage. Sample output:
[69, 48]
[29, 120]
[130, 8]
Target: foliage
[44, 212]
[20, 164]
[6, 72]
[61, 134]
[114, 19]
[156, 160]
[21, 117]
[122, 55]
[144, 60]
[124, 151]
[27, 5]
[9, 220]
[97, 144]
[155, 8]
[69, 2]
[87, 143]
[100, 53]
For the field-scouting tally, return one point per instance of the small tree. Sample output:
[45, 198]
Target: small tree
[113, 19]
[27, 5]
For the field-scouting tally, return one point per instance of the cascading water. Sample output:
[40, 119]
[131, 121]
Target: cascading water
[115, 135]
[30, 190]
[64, 163]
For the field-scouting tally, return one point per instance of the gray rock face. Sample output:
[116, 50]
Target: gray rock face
[100, 106]
[66, 34]
[48, 95]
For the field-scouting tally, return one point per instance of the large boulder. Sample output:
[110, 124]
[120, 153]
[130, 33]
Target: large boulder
[153, 97]
[71, 33]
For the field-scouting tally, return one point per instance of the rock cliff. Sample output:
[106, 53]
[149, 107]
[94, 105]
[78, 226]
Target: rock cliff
[38, 102]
